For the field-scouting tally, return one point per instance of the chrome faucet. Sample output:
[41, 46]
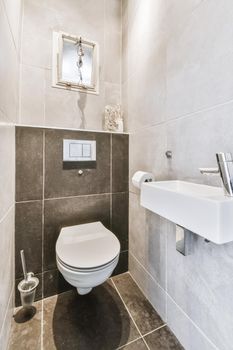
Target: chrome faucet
[225, 169]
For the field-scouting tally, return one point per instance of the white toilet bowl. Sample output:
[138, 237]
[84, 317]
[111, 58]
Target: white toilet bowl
[87, 255]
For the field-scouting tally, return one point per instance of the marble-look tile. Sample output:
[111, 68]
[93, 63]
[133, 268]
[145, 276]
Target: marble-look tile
[54, 283]
[26, 335]
[7, 263]
[150, 288]
[120, 213]
[136, 345]
[112, 53]
[147, 152]
[63, 182]
[122, 265]
[201, 285]
[191, 337]
[14, 14]
[5, 331]
[97, 320]
[147, 239]
[120, 163]
[194, 81]
[69, 212]
[7, 166]
[163, 339]
[9, 77]
[112, 94]
[32, 109]
[28, 236]
[29, 164]
[192, 149]
[141, 310]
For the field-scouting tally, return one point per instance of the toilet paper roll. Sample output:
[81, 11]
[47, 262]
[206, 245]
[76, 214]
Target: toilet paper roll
[140, 177]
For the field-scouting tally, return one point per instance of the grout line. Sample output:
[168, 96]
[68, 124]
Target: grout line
[78, 196]
[42, 250]
[154, 330]
[129, 313]
[111, 196]
[130, 342]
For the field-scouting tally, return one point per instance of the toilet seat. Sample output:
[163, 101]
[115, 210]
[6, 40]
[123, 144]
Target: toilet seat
[88, 247]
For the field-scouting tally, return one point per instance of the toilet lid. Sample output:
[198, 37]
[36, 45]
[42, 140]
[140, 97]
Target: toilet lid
[87, 246]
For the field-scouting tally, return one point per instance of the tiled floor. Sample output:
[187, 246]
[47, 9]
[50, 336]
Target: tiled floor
[114, 315]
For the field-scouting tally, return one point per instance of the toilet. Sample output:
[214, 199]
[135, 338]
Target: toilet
[86, 255]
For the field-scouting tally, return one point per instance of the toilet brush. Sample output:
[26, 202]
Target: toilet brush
[24, 265]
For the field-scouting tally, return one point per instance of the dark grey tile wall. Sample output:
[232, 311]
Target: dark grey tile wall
[50, 195]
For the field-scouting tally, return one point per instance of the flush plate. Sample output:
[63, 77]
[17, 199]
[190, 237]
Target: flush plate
[202, 209]
[79, 150]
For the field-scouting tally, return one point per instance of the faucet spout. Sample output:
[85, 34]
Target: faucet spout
[225, 165]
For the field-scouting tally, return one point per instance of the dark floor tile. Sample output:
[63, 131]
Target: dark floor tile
[136, 345]
[38, 290]
[120, 211]
[141, 310]
[120, 163]
[68, 212]
[54, 283]
[28, 236]
[96, 321]
[61, 180]
[163, 339]
[26, 331]
[29, 163]
[122, 265]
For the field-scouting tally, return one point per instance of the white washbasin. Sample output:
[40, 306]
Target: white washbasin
[202, 209]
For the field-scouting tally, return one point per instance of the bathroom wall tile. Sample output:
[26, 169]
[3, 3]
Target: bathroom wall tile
[112, 93]
[163, 338]
[147, 152]
[120, 162]
[32, 107]
[7, 263]
[14, 13]
[191, 134]
[122, 265]
[68, 212]
[147, 237]
[9, 77]
[54, 283]
[145, 317]
[28, 236]
[26, 336]
[120, 212]
[151, 289]
[29, 164]
[7, 166]
[112, 53]
[5, 331]
[61, 182]
[97, 320]
[194, 81]
[39, 290]
[190, 336]
[201, 285]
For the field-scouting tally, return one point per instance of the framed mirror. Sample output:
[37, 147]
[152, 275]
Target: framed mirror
[75, 63]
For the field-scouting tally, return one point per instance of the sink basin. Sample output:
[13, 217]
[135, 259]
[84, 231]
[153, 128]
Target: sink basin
[202, 209]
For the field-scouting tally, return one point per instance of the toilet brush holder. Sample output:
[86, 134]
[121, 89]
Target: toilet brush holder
[27, 289]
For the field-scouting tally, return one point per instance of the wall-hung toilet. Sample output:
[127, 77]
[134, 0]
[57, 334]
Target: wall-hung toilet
[86, 255]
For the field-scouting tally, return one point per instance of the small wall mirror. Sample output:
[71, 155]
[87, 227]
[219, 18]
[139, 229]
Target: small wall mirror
[75, 63]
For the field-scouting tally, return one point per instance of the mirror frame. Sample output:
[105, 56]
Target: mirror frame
[57, 81]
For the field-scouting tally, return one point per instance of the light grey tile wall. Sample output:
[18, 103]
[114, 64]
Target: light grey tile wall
[177, 93]
[10, 23]
[40, 104]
